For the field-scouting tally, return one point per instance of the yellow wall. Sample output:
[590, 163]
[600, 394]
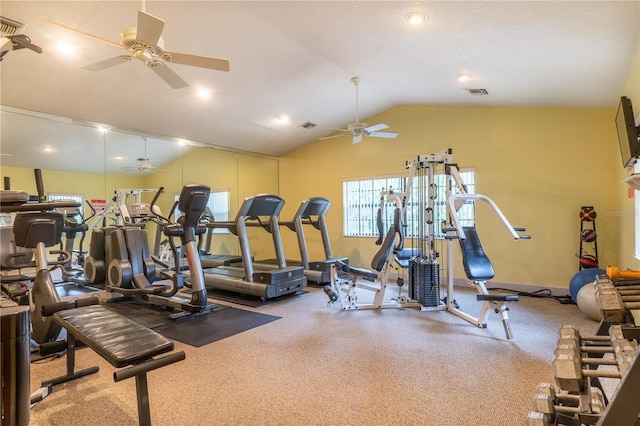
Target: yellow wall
[540, 165]
[626, 214]
[90, 186]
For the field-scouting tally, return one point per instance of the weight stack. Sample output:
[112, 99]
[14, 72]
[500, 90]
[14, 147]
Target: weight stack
[424, 282]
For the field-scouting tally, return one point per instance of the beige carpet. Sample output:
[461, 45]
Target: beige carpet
[320, 366]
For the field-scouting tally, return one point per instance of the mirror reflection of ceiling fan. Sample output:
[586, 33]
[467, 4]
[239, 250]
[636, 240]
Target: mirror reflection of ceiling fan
[144, 165]
[145, 44]
[357, 129]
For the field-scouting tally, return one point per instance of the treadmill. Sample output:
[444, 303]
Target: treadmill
[317, 272]
[211, 260]
[261, 211]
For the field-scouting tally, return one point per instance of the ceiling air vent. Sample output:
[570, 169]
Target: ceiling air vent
[477, 92]
[9, 26]
[308, 125]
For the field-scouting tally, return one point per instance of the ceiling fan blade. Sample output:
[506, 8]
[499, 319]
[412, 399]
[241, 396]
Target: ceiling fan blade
[330, 137]
[108, 63]
[376, 127]
[217, 64]
[93, 36]
[23, 40]
[388, 135]
[149, 28]
[357, 138]
[167, 74]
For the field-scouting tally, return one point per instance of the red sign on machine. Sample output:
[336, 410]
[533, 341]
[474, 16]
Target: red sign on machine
[99, 205]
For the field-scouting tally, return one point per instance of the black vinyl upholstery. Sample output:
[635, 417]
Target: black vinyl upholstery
[117, 339]
[383, 253]
[477, 265]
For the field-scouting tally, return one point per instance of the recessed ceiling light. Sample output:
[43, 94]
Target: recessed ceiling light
[415, 18]
[204, 93]
[47, 149]
[284, 119]
[66, 48]
[465, 77]
[119, 157]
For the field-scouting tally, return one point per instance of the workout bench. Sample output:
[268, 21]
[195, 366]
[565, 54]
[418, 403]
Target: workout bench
[479, 270]
[119, 340]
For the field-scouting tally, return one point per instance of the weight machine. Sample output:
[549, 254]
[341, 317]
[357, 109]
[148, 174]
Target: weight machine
[424, 270]
[391, 242]
[123, 198]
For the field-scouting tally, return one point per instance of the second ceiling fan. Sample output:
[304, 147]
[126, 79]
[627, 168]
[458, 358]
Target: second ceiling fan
[145, 44]
[357, 129]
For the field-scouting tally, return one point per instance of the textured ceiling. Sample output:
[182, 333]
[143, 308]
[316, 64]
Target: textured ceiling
[297, 58]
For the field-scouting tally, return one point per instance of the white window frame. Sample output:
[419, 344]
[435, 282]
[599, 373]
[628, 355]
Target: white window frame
[359, 218]
[57, 196]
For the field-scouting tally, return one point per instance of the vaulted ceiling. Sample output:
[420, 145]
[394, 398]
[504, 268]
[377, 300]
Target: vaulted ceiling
[291, 62]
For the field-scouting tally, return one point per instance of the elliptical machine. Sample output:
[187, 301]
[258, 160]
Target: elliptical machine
[132, 272]
[75, 224]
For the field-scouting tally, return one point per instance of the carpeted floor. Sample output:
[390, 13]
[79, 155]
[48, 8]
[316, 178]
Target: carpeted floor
[320, 366]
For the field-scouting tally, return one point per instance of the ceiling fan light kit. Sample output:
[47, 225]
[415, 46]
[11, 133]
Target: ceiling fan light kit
[145, 44]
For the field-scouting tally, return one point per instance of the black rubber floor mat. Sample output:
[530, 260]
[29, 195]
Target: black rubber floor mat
[201, 330]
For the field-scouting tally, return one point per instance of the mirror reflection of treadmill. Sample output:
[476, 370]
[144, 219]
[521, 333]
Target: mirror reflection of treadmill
[259, 210]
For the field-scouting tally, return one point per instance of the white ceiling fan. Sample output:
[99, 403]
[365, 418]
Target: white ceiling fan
[357, 128]
[145, 44]
[144, 165]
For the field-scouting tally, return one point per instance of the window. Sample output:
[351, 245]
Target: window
[218, 205]
[72, 197]
[361, 200]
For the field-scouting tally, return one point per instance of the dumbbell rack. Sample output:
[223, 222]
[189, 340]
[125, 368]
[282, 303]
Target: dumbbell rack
[579, 398]
[616, 299]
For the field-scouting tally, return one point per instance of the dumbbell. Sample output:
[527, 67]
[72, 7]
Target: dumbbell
[617, 274]
[548, 403]
[536, 418]
[611, 302]
[568, 361]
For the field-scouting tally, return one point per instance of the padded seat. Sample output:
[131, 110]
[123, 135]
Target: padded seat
[117, 339]
[477, 265]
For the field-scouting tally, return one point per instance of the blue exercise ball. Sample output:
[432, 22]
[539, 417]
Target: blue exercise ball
[582, 278]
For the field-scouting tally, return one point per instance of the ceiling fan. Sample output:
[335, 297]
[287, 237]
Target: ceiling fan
[11, 37]
[357, 129]
[144, 165]
[145, 44]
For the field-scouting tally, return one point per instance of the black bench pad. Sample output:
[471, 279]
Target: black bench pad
[498, 297]
[117, 339]
[364, 273]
